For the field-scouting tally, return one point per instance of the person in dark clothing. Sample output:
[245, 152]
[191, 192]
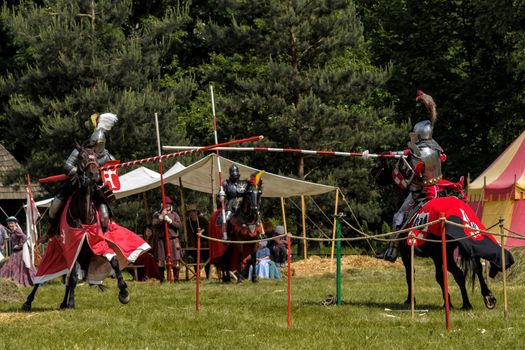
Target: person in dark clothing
[277, 246]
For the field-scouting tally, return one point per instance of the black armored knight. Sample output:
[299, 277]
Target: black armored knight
[232, 191]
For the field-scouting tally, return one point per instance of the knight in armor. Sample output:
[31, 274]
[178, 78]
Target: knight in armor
[420, 173]
[232, 191]
[97, 140]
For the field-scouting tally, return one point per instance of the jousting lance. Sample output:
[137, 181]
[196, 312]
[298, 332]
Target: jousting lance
[157, 158]
[221, 190]
[364, 154]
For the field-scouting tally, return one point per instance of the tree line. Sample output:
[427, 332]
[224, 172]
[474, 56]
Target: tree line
[320, 74]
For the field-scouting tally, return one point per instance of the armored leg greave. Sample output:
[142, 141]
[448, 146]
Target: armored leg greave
[104, 216]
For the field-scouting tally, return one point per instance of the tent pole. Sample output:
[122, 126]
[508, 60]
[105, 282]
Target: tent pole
[146, 208]
[183, 209]
[303, 215]
[212, 178]
[334, 229]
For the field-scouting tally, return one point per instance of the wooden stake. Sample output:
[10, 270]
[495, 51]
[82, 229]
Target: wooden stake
[504, 271]
[445, 272]
[289, 263]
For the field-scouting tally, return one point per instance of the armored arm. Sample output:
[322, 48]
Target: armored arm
[105, 157]
[70, 167]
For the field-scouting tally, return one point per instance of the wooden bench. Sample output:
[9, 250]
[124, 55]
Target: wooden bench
[190, 267]
[135, 268]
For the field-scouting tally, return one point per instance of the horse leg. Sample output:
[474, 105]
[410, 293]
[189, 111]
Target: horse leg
[438, 265]
[63, 305]
[240, 270]
[27, 305]
[225, 264]
[123, 295]
[253, 263]
[460, 279]
[406, 258]
[488, 298]
[69, 301]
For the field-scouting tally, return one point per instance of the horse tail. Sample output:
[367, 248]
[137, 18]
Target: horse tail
[468, 265]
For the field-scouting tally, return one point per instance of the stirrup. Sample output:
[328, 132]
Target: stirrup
[391, 254]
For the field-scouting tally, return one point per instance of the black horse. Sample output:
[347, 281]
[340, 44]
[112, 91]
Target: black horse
[244, 225]
[82, 211]
[470, 250]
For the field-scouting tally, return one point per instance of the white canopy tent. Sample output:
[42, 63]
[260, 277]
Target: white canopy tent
[203, 176]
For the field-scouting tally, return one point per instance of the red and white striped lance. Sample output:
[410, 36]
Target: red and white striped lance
[172, 155]
[364, 154]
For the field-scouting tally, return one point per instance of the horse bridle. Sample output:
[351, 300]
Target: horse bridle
[83, 164]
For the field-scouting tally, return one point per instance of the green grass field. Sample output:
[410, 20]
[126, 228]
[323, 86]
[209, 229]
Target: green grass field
[254, 316]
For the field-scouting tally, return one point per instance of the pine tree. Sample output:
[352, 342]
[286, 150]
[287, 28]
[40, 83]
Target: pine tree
[299, 72]
[90, 56]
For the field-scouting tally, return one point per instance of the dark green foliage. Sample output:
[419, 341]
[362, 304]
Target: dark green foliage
[299, 73]
[77, 65]
[468, 56]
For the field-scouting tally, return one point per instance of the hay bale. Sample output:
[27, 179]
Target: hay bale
[9, 292]
[316, 265]
[516, 273]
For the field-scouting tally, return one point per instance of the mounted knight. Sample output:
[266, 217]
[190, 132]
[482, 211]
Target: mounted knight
[419, 172]
[102, 123]
[231, 193]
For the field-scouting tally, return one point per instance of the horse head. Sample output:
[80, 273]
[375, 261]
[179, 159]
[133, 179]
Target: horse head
[382, 171]
[88, 175]
[88, 171]
[252, 198]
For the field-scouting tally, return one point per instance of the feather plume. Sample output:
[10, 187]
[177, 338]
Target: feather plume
[106, 121]
[429, 103]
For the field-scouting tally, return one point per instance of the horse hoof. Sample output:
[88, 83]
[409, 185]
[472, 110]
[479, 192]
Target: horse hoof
[490, 301]
[123, 298]
[466, 307]
[26, 307]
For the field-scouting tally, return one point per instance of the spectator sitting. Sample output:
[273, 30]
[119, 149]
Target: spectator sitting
[278, 249]
[265, 267]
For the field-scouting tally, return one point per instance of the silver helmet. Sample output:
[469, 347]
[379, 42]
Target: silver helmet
[423, 130]
[234, 172]
[98, 141]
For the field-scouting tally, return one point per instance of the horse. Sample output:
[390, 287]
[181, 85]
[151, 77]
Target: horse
[471, 244]
[81, 215]
[244, 225]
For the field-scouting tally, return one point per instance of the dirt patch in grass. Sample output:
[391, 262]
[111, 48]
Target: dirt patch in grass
[9, 292]
[316, 265]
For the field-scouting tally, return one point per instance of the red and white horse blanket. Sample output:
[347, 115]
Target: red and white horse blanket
[63, 250]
